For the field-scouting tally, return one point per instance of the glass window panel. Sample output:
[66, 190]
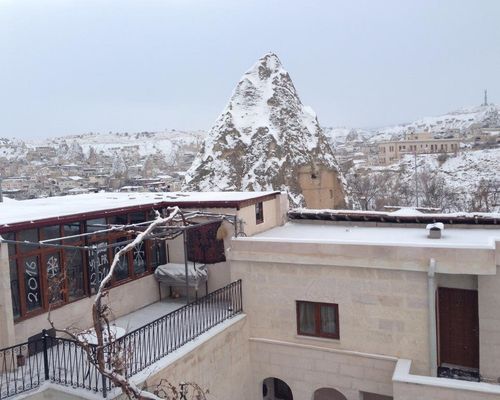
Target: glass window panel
[307, 318]
[74, 270]
[328, 320]
[32, 283]
[14, 289]
[158, 253]
[121, 269]
[51, 232]
[118, 219]
[71, 229]
[139, 256]
[29, 235]
[98, 224]
[54, 277]
[259, 212]
[12, 247]
[98, 265]
[137, 217]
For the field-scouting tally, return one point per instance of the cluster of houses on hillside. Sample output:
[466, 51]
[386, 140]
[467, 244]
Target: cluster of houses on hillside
[86, 180]
[41, 174]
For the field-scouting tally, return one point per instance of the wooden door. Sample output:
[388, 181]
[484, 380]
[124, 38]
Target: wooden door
[458, 327]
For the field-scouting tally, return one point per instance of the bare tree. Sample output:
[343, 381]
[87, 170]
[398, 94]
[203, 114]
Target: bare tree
[434, 191]
[366, 188]
[486, 196]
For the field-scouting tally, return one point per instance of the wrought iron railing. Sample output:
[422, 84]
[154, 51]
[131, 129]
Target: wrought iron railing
[21, 368]
[147, 344]
[25, 366]
[69, 365]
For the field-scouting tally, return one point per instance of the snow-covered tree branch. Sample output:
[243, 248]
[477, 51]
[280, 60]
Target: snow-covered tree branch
[105, 354]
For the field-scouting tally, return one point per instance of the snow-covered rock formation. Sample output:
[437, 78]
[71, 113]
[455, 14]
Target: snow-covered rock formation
[266, 139]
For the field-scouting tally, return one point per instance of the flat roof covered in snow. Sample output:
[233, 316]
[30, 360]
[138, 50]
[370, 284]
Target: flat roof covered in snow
[27, 211]
[327, 232]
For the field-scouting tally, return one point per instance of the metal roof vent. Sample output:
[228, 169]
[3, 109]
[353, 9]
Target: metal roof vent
[435, 230]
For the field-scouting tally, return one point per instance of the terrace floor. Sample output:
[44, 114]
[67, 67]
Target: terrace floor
[151, 312]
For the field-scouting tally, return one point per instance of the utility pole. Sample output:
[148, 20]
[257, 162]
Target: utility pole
[416, 178]
[485, 97]
[1, 193]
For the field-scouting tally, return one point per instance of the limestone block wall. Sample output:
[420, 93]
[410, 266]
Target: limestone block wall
[321, 187]
[221, 364]
[380, 311]
[471, 261]
[489, 325]
[306, 368]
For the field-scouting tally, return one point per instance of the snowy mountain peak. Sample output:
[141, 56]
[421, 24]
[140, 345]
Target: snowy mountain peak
[264, 136]
[266, 66]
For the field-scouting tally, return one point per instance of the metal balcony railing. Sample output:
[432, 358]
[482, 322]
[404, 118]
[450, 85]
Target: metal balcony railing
[63, 361]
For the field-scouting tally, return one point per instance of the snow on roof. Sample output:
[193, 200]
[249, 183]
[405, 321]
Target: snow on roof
[436, 225]
[8, 199]
[314, 232]
[406, 211]
[402, 212]
[54, 207]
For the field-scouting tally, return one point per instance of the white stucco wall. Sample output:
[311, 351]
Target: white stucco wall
[274, 211]
[409, 386]
[413, 391]
[7, 333]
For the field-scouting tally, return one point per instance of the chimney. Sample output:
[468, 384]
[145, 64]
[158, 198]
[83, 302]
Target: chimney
[435, 230]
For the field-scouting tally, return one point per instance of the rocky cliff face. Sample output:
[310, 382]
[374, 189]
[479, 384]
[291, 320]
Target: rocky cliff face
[263, 138]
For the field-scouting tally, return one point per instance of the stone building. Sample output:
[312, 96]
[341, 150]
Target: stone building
[419, 143]
[307, 305]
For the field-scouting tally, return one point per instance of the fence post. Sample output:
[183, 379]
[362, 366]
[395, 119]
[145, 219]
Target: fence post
[104, 388]
[45, 354]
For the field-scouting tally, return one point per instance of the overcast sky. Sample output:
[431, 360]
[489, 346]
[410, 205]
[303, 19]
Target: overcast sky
[70, 66]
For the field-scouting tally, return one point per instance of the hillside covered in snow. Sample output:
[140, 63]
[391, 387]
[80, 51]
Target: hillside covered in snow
[459, 122]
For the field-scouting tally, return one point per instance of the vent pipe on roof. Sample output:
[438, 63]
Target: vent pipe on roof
[435, 230]
[431, 298]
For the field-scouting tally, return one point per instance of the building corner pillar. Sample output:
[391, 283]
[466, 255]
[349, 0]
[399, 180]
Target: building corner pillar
[7, 332]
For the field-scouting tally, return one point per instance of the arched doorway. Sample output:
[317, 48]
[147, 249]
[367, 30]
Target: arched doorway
[276, 389]
[328, 394]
